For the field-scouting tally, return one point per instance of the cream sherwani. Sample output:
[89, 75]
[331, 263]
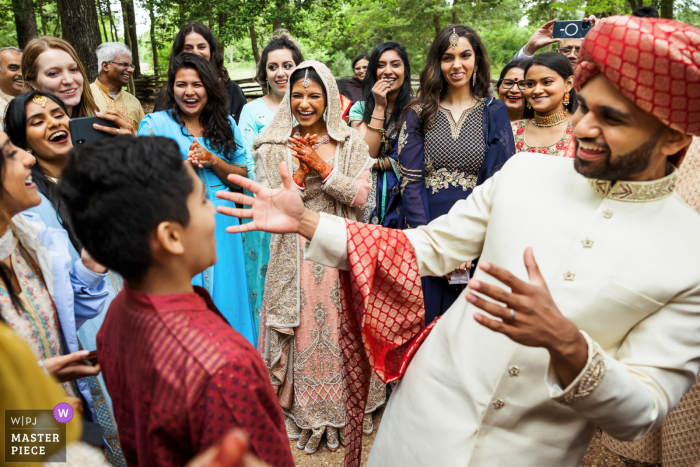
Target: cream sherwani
[621, 262]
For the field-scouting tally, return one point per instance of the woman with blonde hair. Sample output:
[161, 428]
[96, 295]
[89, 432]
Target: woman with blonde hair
[51, 64]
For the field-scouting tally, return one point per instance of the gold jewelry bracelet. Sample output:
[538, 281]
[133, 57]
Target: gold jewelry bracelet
[380, 130]
[378, 118]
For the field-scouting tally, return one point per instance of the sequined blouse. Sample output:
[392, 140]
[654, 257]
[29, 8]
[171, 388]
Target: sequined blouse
[556, 149]
[454, 151]
[443, 163]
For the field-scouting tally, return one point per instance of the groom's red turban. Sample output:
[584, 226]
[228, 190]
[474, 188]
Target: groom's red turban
[653, 62]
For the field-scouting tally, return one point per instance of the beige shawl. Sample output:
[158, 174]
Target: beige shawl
[282, 291]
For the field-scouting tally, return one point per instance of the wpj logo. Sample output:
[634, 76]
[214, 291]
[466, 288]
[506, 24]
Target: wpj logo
[35, 435]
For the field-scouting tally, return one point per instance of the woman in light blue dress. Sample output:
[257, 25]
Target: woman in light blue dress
[279, 58]
[210, 140]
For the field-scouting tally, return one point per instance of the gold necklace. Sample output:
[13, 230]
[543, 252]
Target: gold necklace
[551, 120]
[53, 179]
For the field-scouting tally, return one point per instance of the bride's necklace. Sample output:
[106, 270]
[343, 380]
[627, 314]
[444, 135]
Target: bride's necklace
[551, 120]
[325, 139]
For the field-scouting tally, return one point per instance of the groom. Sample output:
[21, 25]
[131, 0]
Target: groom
[601, 330]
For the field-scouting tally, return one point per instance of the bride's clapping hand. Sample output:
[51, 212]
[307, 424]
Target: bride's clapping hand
[302, 149]
[275, 211]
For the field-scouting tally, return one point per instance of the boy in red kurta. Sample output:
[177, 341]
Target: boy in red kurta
[180, 377]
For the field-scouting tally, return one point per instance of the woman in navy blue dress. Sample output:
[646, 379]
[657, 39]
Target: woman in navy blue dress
[452, 138]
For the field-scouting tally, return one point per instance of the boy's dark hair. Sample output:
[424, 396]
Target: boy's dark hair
[118, 190]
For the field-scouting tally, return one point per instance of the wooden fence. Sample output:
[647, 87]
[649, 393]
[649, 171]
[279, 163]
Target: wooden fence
[148, 87]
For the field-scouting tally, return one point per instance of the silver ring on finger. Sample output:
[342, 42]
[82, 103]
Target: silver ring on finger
[512, 317]
[303, 152]
[117, 131]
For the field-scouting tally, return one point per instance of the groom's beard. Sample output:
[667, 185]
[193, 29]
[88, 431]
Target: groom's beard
[619, 167]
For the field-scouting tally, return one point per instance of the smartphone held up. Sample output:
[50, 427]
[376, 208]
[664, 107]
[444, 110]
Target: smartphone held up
[571, 29]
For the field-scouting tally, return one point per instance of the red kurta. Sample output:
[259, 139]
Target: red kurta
[180, 378]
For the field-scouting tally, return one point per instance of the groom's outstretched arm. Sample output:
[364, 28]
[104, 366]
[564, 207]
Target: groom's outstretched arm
[439, 247]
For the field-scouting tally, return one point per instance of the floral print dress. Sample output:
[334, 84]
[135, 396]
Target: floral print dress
[37, 324]
[556, 149]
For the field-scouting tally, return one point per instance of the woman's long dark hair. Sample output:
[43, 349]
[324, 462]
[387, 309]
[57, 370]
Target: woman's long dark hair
[5, 271]
[216, 56]
[362, 57]
[16, 129]
[559, 64]
[280, 40]
[405, 94]
[216, 127]
[432, 84]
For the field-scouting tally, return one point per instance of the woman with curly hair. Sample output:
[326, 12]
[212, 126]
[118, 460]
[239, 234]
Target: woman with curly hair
[196, 38]
[454, 136]
[195, 117]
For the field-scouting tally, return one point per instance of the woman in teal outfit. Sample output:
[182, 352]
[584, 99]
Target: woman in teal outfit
[279, 58]
[209, 139]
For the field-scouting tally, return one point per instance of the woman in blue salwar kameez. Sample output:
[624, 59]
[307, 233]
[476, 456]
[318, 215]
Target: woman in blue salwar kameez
[209, 138]
[452, 138]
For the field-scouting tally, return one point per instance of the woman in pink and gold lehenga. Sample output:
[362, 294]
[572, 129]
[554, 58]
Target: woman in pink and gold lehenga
[301, 307]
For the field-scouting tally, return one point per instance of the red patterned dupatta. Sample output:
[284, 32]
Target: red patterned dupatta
[383, 318]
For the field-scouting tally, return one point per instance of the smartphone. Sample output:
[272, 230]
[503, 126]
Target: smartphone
[571, 29]
[92, 358]
[82, 132]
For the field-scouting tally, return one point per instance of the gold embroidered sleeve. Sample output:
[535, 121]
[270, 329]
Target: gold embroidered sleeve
[342, 188]
[589, 379]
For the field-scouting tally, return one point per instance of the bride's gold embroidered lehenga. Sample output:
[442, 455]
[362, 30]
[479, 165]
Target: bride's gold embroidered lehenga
[301, 307]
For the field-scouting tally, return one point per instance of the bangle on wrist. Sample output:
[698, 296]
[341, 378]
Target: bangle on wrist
[378, 118]
[379, 130]
[327, 175]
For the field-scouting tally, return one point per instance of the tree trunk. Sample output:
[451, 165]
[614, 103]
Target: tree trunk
[154, 44]
[41, 15]
[102, 20]
[25, 21]
[112, 26]
[436, 24]
[634, 4]
[60, 7]
[254, 43]
[83, 32]
[666, 10]
[455, 15]
[130, 21]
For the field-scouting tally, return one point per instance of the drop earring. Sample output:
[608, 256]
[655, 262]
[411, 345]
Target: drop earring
[528, 104]
[566, 99]
[474, 76]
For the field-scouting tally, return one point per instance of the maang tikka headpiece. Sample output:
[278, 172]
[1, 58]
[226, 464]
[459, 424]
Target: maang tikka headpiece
[39, 100]
[454, 39]
[305, 83]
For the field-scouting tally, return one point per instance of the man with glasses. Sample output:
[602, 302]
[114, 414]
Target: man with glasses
[114, 60]
[543, 37]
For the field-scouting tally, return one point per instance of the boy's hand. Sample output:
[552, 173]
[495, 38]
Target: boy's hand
[232, 452]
